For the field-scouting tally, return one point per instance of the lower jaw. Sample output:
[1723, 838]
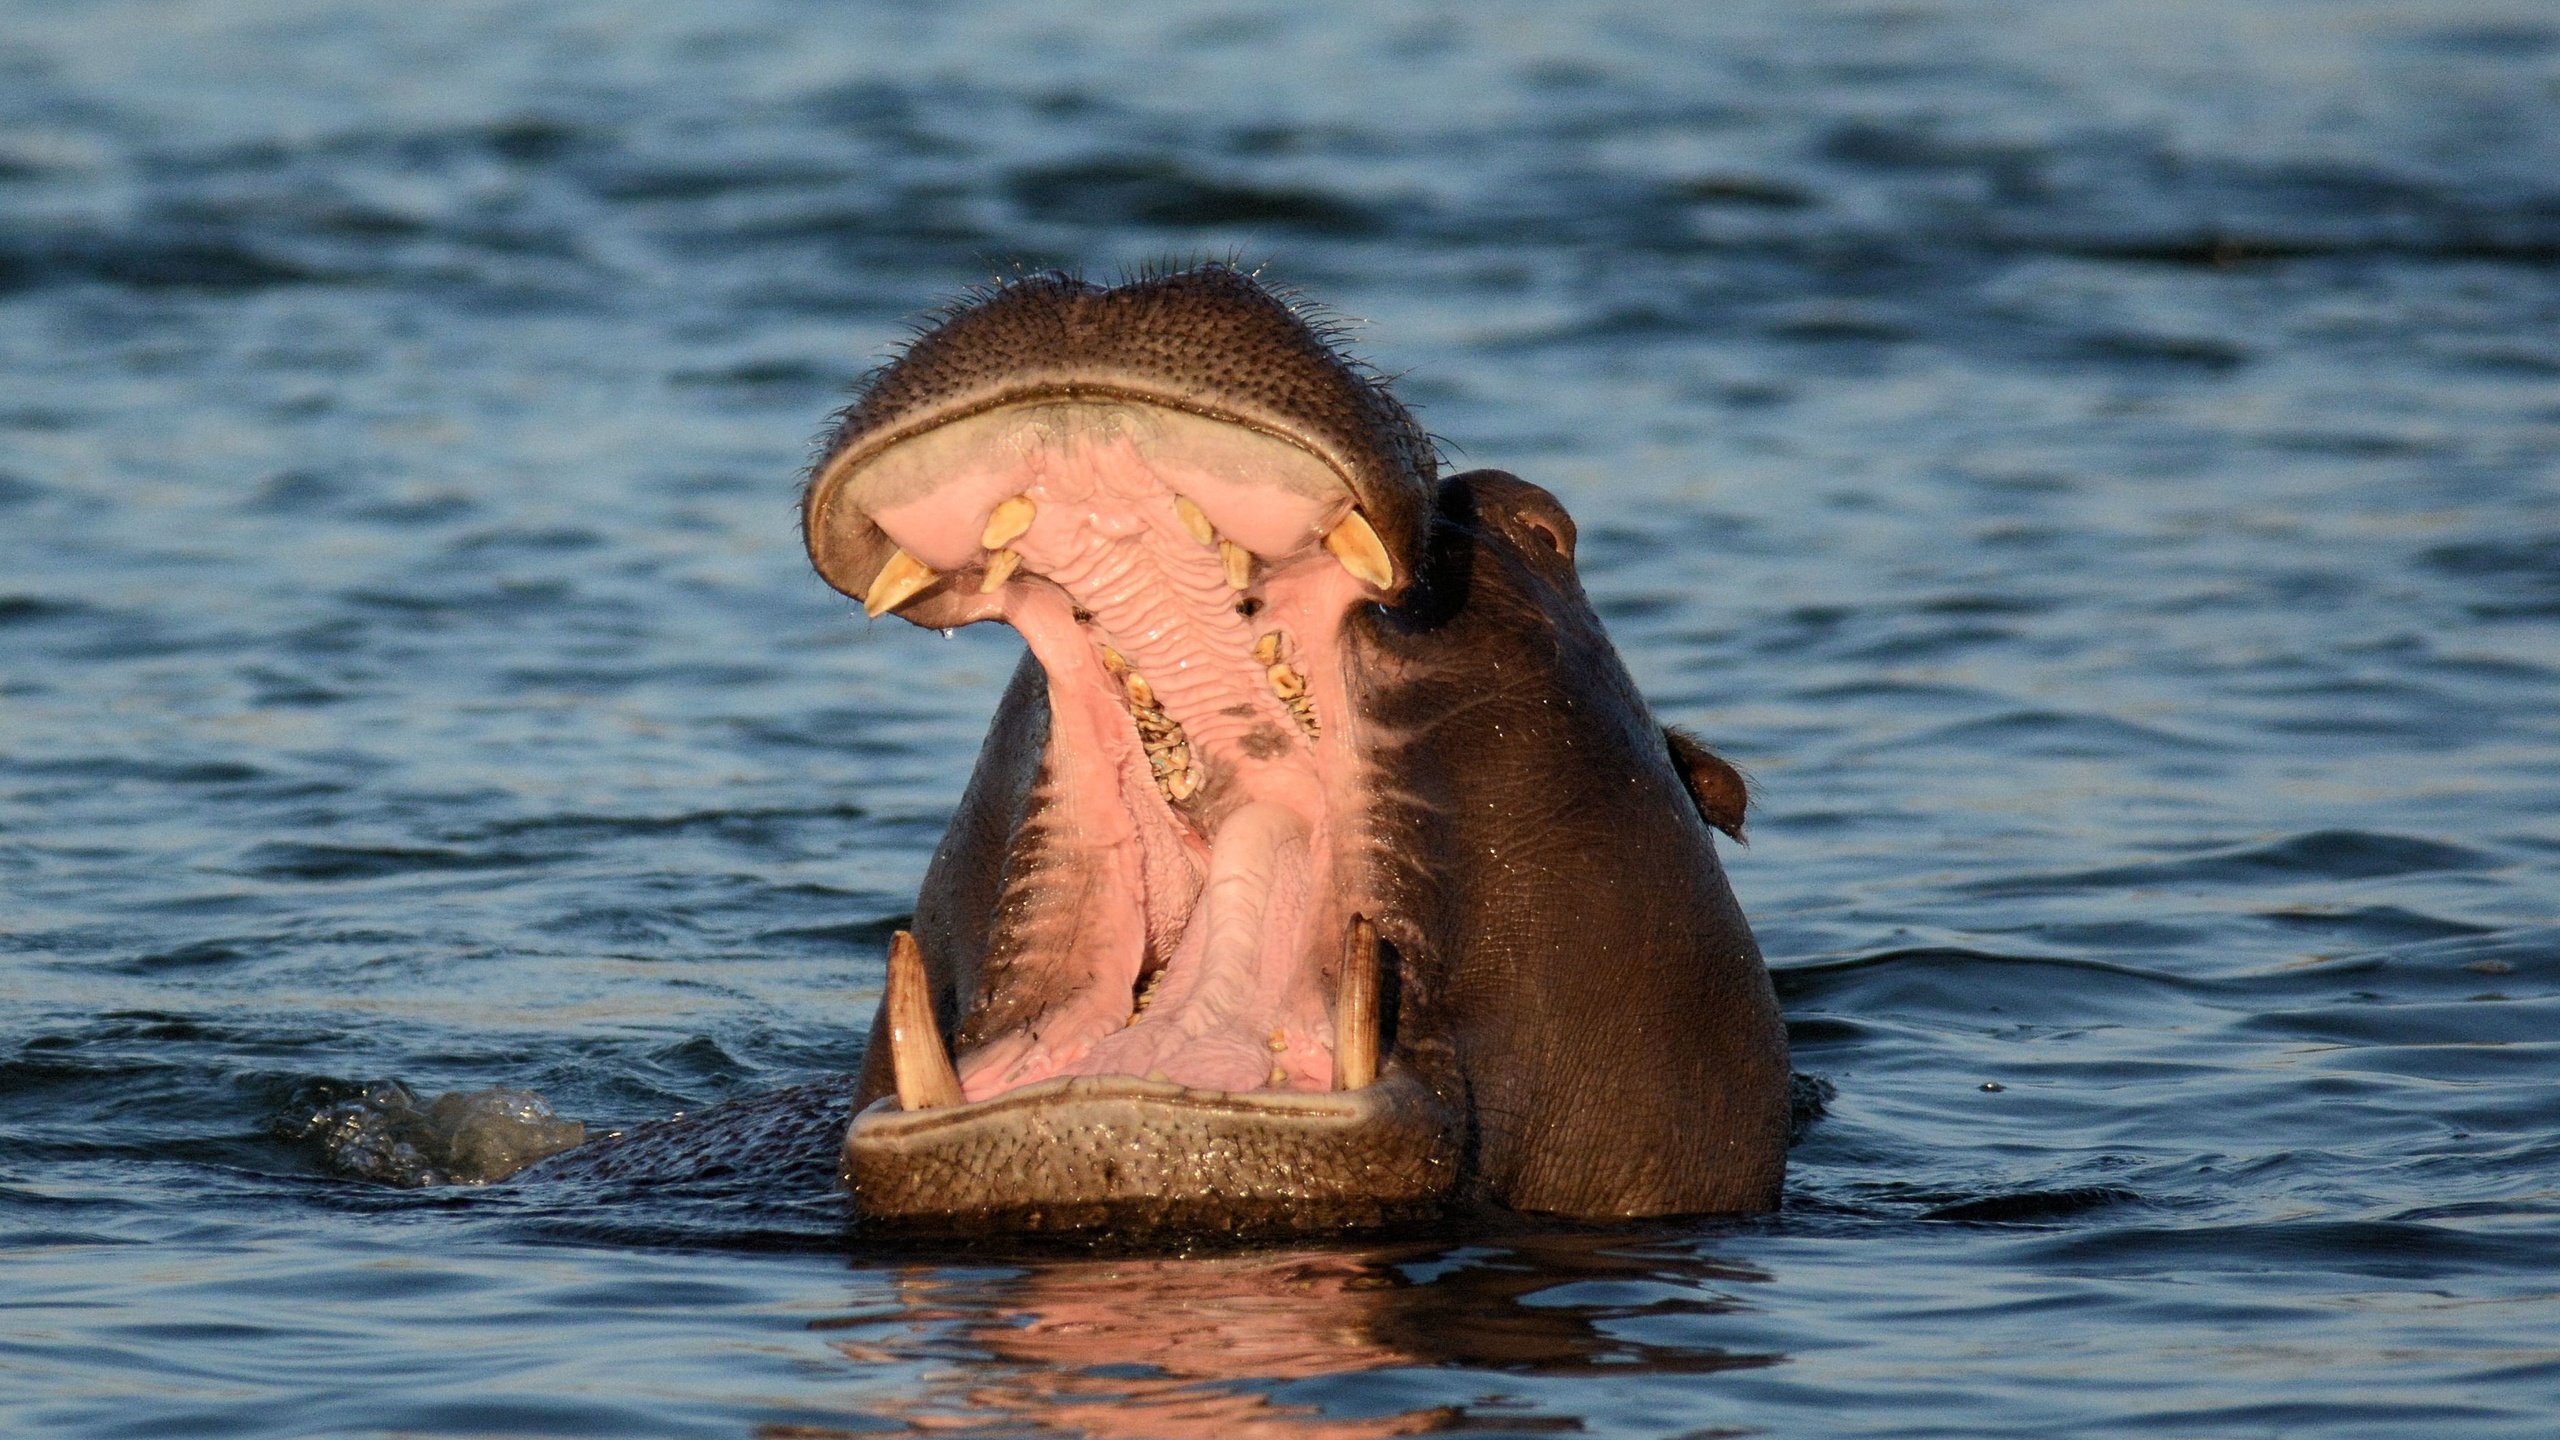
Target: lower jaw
[1136, 1156]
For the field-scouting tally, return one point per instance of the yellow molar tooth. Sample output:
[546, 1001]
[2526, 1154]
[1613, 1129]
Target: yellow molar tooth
[1006, 522]
[1239, 563]
[1193, 521]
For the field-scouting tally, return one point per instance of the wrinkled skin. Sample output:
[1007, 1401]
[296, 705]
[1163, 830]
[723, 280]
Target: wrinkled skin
[1571, 1014]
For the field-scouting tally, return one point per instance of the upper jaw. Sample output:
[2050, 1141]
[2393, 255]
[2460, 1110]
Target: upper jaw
[1209, 342]
[849, 548]
[1277, 495]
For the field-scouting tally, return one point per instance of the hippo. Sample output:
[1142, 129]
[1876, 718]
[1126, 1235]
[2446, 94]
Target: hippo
[1322, 867]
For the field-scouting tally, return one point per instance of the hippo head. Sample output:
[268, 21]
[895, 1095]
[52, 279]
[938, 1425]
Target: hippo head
[1322, 865]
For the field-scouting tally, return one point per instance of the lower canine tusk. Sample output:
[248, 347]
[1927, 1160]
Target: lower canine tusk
[916, 1056]
[1360, 550]
[896, 584]
[1355, 1009]
[1000, 568]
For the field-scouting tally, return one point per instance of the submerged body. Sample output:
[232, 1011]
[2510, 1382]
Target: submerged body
[1322, 865]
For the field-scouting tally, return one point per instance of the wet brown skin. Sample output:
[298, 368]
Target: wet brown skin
[1576, 985]
[1556, 896]
[1581, 1023]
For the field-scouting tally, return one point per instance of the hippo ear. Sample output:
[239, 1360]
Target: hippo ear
[1532, 517]
[1719, 789]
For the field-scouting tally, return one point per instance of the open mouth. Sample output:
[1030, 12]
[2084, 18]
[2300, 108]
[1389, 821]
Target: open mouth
[1169, 958]
[1182, 579]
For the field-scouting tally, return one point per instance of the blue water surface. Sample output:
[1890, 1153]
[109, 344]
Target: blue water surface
[2096, 464]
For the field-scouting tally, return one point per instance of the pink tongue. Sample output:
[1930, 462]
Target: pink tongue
[1234, 983]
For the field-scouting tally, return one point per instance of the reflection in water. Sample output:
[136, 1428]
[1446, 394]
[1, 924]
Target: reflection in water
[1195, 1346]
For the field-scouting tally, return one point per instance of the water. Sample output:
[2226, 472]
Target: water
[2097, 466]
